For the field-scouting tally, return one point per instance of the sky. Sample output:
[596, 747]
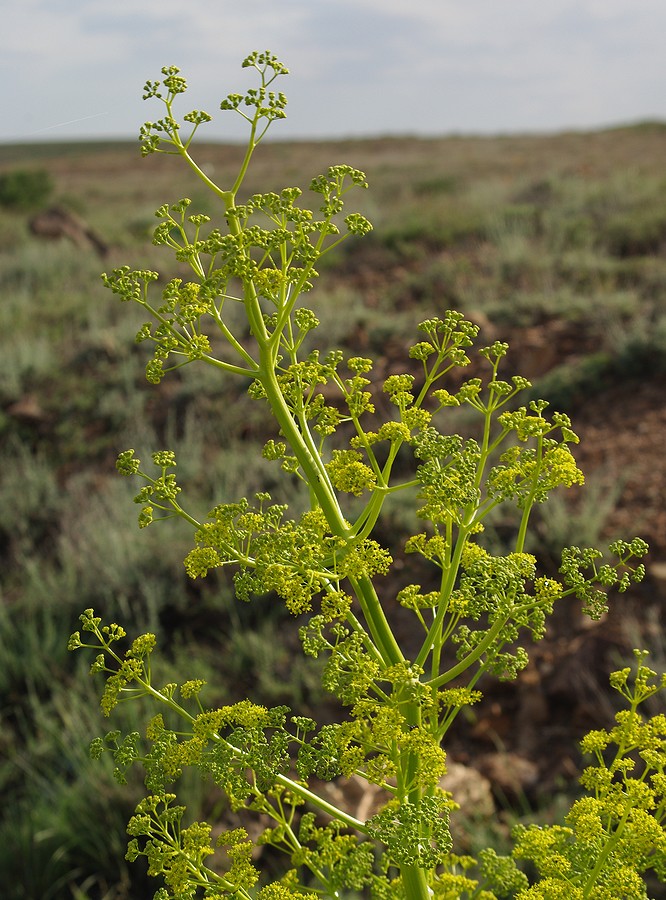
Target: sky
[75, 69]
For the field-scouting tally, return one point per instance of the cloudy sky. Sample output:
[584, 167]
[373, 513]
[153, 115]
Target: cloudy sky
[75, 68]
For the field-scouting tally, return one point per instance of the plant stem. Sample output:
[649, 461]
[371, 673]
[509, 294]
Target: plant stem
[414, 883]
[471, 658]
[316, 477]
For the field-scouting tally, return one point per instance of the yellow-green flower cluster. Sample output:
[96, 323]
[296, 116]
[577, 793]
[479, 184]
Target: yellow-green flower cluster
[615, 834]
[349, 473]
[528, 476]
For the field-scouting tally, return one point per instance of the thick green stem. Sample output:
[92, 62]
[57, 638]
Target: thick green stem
[317, 478]
[313, 468]
[414, 883]
[377, 623]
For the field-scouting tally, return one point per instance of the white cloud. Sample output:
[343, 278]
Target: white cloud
[358, 66]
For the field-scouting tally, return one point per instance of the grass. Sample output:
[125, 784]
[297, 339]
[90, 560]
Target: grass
[554, 238]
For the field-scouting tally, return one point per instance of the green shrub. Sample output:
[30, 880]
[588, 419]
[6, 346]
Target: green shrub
[567, 384]
[635, 232]
[437, 184]
[25, 189]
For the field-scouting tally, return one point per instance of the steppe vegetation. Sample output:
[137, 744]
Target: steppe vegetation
[556, 244]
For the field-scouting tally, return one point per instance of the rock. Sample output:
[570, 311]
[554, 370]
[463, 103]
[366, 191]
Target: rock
[471, 790]
[657, 575]
[27, 409]
[510, 774]
[58, 222]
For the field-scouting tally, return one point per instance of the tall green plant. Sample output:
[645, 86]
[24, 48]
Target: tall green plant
[328, 568]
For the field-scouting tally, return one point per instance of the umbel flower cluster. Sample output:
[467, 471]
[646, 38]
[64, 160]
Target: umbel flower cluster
[474, 617]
